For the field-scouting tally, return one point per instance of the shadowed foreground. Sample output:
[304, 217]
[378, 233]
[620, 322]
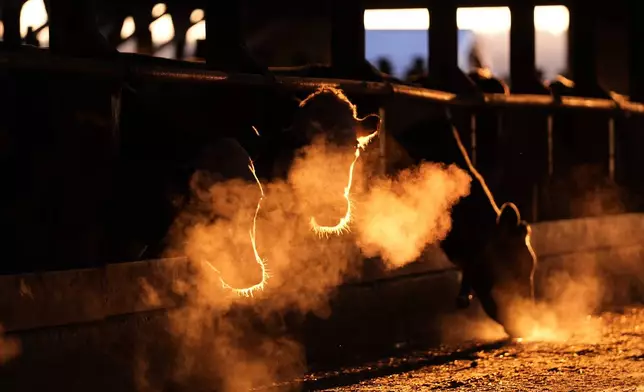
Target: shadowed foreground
[613, 360]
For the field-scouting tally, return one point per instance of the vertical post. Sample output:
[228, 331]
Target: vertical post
[535, 203]
[181, 20]
[382, 139]
[347, 34]
[473, 137]
[11, 19]
[582, 46]
[636, 50]
[611, 148]
[73, 29]
[522, 47]
[551, 165]
[224, 34]
[142, 20]
[55, 15]
[443, 42]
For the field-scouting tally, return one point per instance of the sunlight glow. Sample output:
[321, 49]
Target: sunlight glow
[162, 30]
[197, 16]
[1, 29]
[397, 19]
[33, 14]
[128, 46]
[553, 19]
[488, 20]
[196, 32]
[158, 10]
[128, 28]
[43, 37]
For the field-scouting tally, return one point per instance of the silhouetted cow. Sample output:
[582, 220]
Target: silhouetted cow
[324, 115]
[490, 248]
[484, 79]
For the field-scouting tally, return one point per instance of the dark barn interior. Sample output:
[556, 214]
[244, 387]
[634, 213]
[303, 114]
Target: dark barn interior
[99, 147]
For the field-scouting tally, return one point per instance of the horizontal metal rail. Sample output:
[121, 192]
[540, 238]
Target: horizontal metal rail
[131, 68]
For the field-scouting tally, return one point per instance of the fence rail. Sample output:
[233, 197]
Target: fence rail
[556, 157]
[176, 71]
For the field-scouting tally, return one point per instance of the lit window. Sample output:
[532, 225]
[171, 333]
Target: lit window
[484, 20]
[553, 19]
[194, 33]
[162, 30]
[484, 39]
[43, 37]
[128, 28]
[396, 40]
[197, 16]
[551, 40]
[397, 19]
[33, 14]
[158, 10]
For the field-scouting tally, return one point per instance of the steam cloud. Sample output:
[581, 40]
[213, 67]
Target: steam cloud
[9, 347]
[570, 293]
[562, 314]
[236, 343]
[400, 216]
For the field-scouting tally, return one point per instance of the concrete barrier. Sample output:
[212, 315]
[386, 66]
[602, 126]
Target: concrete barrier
[65, 297]
[605, 252]
[78, 296]
[99, 329]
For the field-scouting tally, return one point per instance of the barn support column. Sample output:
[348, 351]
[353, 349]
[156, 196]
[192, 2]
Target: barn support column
[226, 39]
[181, 19]
[73, 29]
[11, 19]
[347, 36]
[630, 142]
[523, 75]
[636, 50]
[224, 34]
[142, 20]
[582, 48]
[443, 45]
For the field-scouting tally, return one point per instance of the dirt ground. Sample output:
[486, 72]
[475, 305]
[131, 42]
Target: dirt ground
[612, 359]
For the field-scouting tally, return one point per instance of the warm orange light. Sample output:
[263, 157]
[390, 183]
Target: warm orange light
[487, 20]
[162, 30]
[553, 19]
[33, 14]
[158, 10]
[196, 32]
[249, 291]
[128, 28]
[362, 142]
[43, 37]
[197, 16]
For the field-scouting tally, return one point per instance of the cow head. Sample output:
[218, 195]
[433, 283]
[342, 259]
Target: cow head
[509, 265]
[329, 116]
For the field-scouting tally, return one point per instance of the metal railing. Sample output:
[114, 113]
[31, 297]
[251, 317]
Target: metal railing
[615, 128]
[178, 71]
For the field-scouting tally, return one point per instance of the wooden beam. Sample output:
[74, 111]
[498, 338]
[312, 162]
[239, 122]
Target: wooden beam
[522, 47]
[347, 34]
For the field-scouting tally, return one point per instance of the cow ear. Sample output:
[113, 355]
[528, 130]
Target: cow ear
[509, 217]
[525, 228]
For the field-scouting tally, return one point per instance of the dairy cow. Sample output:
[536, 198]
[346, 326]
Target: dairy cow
[489, 243]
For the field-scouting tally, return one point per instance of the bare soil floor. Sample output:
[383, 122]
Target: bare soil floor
[611, 360]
